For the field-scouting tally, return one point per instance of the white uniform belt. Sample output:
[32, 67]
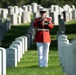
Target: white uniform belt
[42, 29]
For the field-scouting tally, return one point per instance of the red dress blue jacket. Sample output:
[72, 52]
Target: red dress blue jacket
[41, 35]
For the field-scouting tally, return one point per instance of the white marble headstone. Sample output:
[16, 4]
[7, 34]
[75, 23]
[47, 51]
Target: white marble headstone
[29, 8]
[52, 8]
[22, 40]
[20, 11]
[36, 14]
[13, 19]
[11, 56]
[64, 54]
[34, 7]
[19, 19]
[4, 13]
[54, 16]
[74, 14]
[71, 59]
[18, 51]
[3, 63]
[20, 44]
[25, 8]
[16, 9]
[26, 17]
[0, 62]
[25, 43]
[10, 10]
[69, 62]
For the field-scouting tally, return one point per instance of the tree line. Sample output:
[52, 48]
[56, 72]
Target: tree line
[45, 3]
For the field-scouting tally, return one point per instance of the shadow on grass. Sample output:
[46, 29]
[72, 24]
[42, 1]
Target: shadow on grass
[70, 29]
[53, 46]
[15, 32]
[54, 30]
[23, 67]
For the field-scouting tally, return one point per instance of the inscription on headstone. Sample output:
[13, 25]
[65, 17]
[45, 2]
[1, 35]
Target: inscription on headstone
[18, 51]
[11, 56]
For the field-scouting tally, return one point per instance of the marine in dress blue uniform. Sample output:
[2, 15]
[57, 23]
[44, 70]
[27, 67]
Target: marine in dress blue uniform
[43, 40]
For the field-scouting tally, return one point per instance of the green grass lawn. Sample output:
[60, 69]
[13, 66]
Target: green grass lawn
[71, 29]
[29, 63]
[13, 33]
[71, 22]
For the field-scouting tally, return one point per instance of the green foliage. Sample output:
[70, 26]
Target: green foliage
[46, 3]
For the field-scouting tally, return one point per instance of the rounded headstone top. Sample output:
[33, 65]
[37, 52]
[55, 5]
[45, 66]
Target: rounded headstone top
[63, 36]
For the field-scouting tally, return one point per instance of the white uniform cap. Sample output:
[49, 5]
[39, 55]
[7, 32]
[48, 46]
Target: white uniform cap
[42, 10]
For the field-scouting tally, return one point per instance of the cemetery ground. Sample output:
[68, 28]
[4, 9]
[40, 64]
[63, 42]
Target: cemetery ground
[29, 63]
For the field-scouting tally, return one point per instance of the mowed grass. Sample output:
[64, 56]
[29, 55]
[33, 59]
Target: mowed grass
[29, 63]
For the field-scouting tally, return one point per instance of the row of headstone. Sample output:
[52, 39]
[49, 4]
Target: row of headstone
[15, 51]
[14, 16]
[62, 39]
[67, 54]
[19, 46]
[16, 19]
[18, 15]
[66, 50]
[11, 56]
[31, 34]
[67, 13]
[22, 14]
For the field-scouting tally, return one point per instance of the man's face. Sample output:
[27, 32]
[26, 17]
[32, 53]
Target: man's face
[43, 14]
